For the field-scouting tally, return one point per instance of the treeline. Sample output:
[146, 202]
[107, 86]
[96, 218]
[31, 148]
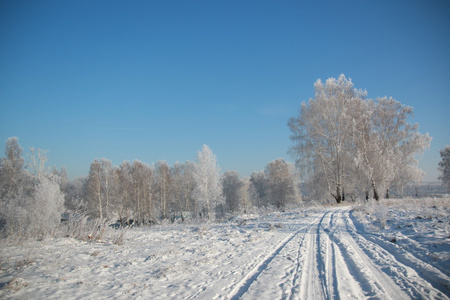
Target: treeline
[33, 198]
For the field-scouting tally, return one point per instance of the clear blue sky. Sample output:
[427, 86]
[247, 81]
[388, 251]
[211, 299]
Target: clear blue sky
[155, 80]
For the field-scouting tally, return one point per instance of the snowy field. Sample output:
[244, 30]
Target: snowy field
[397, 250]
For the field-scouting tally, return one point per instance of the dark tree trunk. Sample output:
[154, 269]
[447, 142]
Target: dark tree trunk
[375, 194]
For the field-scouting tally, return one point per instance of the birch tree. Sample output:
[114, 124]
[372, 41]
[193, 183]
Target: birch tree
[208, 190]
[321, 135]
[387, 145]
[163, 187]
[94, 191]
[346, 143]
[141, 191]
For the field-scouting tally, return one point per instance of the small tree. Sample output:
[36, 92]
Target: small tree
[444, 167]
[46, 206]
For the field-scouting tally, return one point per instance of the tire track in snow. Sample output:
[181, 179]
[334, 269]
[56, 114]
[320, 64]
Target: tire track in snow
[414, 275]
[373, 281]
[308, 281]
[303, 244]
[244, 284]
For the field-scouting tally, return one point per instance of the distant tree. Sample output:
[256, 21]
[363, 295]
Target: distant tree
[258, 189]
[231, 186]
[189, 186]
[182, 187]
[93, 192]
[74, 193]
[208, 190]
[282, 183]
[444, 167]
[163, 178]
[244, 195]
[142, 192]
[38, 158]
[15, 188]
[109, 187]
[12, 172]
[125, 203]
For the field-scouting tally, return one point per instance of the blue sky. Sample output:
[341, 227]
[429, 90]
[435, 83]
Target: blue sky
[155, 80]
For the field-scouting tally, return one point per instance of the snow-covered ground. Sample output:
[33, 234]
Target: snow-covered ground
[397, 250]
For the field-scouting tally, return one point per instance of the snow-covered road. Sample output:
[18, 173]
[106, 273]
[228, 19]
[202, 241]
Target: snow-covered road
[313, 254]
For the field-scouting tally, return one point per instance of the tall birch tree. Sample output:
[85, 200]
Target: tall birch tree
[208, 190]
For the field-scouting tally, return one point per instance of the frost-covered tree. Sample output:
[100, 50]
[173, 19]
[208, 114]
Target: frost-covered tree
[109, 187]
[258, 189]
[231, 186]
[322, 136]
[347, 144]
[74, 193]
[208, 189]
[183, 185]
[93, 191]
[444, 167]
[30, 205]
[283, 187]
[244, 195]
[15, 188]
[163, 180]
[12, 172]
[142, 191]
[46, 206]
[125, 204]
[387, 145]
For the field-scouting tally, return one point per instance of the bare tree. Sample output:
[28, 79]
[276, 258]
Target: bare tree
[444, 167]
[163, 181]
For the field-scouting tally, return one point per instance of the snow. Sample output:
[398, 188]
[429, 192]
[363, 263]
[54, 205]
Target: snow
[340, 252]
